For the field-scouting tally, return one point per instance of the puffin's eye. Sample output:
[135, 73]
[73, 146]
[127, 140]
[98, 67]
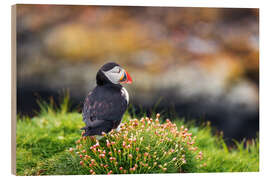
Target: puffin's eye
[119, 70]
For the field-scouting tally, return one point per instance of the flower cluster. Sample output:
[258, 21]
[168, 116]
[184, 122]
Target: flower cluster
[141, 146]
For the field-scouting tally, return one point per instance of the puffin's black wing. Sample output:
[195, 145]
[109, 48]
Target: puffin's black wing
[103, 110]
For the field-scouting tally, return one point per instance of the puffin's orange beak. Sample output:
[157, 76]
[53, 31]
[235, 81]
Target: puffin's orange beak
[125, 78]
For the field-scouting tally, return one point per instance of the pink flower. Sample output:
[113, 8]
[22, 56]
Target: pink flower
[112, 158]
[108, 144]
[164, 169]
[96, 145]
[102, 155]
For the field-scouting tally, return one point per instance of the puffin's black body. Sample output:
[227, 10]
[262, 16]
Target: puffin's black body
[104, 106]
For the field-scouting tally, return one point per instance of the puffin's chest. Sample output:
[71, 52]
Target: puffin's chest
[125, 94]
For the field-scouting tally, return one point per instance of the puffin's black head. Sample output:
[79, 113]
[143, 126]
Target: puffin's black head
[112, 73]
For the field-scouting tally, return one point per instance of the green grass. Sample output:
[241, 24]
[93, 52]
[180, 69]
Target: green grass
[43, 144]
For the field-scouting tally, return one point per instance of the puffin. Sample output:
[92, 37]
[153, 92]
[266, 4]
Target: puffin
[105, 106]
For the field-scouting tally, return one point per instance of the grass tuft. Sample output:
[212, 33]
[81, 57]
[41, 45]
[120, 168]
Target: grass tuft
[141, 146]
[48, 145]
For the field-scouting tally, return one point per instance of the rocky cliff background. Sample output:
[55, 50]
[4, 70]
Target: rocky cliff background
[200, 63]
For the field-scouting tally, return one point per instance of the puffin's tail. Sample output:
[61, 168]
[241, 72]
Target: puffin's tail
[97, 129]
[88, 131]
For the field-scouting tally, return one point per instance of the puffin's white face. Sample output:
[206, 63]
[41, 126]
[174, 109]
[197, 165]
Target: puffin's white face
[117, 75]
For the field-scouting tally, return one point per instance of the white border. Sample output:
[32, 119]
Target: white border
[5, 82]
[189, 3]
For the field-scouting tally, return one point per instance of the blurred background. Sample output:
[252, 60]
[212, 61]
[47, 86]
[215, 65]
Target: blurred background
[197, 63]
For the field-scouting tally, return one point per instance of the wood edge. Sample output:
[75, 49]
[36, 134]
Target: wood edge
[13, 88]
